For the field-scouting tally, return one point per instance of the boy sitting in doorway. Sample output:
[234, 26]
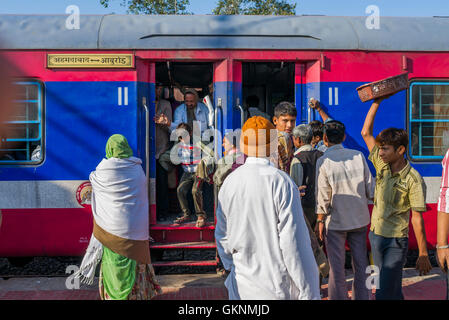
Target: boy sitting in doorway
[190, 157]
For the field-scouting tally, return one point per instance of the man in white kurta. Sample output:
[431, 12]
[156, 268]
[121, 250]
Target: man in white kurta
[261, 234]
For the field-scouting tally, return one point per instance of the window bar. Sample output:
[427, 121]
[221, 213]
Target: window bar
[27, 124]
[420, 123]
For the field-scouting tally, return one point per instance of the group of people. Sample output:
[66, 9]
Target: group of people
[197, 160]
[286, 194]
[265, 208]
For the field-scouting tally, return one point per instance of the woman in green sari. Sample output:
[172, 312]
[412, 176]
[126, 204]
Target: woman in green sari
[121, 226]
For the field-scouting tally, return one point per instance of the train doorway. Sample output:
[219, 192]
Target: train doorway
[265, 84]
[173, 80]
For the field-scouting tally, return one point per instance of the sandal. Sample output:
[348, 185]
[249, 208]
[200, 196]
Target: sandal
[201, 222]
[181, 219]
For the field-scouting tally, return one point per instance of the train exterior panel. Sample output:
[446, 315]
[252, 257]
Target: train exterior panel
[81, 108]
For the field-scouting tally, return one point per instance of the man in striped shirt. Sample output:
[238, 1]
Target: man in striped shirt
[190, 157]
[443, 217]
[284, 119]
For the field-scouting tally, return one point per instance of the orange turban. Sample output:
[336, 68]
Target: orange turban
[258, 138]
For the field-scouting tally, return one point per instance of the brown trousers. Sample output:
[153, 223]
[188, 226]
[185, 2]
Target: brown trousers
[190, 183]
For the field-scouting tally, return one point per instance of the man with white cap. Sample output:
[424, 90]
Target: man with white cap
[261, 238]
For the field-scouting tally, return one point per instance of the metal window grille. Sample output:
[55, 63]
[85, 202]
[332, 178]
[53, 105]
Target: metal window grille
[24, 130]
[428, 120]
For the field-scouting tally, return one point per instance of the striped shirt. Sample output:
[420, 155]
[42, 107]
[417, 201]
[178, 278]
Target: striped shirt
[285, 151]
[443, 201]
[190, 156]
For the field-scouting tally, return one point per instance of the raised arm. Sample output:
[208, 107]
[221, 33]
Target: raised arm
[315, 104]
[367, 130]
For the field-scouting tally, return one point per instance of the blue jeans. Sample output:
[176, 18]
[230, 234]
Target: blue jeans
[390, 256]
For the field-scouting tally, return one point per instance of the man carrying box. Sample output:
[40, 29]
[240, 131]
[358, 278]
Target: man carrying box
[399, 189]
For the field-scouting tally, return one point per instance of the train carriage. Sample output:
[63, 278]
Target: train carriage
[76, 87]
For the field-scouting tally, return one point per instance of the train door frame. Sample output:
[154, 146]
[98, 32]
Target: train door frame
[222, 99]
[302, 72]
[146, 98]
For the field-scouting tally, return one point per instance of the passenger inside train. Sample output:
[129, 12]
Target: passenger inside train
[180, 90]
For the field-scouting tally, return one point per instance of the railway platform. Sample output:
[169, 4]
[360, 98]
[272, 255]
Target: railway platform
[198, 287]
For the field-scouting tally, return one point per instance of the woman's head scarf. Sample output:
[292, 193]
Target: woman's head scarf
[118, 147]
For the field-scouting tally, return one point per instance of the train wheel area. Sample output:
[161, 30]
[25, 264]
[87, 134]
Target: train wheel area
[198, 287]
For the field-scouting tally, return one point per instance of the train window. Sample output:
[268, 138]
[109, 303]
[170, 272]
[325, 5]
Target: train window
[428, 120]
[265, 84]
[22, 143]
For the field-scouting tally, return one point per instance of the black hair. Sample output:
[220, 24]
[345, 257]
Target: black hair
[393, 137]
[317, 128]
[185, 127]
[334, 131]
[285, 108]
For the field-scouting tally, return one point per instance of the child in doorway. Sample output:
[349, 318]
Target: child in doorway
[190, 157]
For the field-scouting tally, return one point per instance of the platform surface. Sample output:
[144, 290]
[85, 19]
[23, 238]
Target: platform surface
[198, 287]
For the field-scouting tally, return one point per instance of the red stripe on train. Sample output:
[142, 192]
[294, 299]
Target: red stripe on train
[59, 232]
[45, 232]
[340, 66]
[36, 62]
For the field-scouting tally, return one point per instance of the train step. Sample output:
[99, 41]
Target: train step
[198, 245]
[184, 226]
[170, 233]
[185, 263]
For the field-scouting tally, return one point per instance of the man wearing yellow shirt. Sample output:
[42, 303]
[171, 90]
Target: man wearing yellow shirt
[399, 189]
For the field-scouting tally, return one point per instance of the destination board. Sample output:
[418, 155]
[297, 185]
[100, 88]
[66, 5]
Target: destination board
[90, 61]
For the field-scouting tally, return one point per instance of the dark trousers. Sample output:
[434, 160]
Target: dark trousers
[311, 216]
[162, 201]
[390, 256]
[191, 184]
[335, 245]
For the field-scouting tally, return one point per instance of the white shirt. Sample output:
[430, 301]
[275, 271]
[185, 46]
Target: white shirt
[262, 236]
[343, 186]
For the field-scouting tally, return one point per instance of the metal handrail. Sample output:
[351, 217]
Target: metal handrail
[242, 115]
[309, 114]
[147, 140]
[216, 142]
